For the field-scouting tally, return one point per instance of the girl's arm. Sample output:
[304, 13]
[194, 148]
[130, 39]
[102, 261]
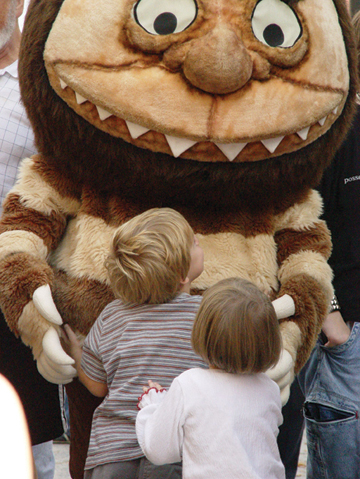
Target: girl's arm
[159, 424]
[73, 348]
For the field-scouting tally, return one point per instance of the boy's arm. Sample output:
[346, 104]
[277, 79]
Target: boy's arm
[73, 348]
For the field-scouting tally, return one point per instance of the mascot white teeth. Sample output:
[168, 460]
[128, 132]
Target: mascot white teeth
[226, 110]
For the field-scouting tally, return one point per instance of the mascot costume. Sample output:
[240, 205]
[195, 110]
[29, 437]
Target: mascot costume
[225, 110]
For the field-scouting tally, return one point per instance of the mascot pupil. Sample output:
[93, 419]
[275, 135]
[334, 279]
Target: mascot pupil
[227, 111]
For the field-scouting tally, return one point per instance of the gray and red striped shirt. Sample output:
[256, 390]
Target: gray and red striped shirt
[128, 345]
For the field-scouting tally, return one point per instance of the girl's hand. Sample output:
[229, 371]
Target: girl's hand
[152, 385]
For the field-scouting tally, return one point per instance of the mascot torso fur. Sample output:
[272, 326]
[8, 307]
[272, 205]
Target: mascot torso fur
[225, 110]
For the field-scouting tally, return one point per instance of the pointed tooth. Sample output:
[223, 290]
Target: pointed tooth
[103, 114]
[272, 143]
[63, 84]
[335, 110]
[304, 133]
[179, 145]
[79, 98]
[322, 121]
[136, 130]
[231, 150]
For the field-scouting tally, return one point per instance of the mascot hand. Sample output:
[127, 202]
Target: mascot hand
[283, 372]
[53, 363]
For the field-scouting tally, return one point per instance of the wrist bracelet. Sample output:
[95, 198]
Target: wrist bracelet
[334, 305]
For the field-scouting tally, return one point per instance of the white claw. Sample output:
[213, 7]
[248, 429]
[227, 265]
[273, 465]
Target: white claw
[63, 375]
[282, 368]
[284, 306]
[57, 371]
[44, 303]
[282, 382]
[52, 348]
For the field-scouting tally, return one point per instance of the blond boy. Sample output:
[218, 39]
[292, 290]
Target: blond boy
[145, 332]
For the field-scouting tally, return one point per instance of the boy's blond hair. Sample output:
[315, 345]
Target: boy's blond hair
[149, 256]
[236, 328]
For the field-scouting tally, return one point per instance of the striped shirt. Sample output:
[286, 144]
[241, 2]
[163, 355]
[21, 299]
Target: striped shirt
[16, 136]
[127, 346]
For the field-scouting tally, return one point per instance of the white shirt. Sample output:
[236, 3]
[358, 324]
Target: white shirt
[16, 136]
[220, 424]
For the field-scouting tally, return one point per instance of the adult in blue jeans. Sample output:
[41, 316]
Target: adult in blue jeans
[331, 378]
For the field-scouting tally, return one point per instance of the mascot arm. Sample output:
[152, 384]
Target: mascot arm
[304, 245]
[33, 222]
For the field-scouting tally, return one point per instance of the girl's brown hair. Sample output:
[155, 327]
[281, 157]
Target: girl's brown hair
[236, 328]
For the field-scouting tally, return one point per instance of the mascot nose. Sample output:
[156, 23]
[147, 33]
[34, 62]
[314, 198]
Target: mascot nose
[218, 62]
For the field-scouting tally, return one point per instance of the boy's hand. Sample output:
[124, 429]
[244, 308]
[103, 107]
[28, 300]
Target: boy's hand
[152, 385]
[335, 329]
[70, 342]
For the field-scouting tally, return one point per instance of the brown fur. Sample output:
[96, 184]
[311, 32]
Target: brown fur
[20, 275]
[314, 239]
[308, 317]
[72, 299]
[49, 228]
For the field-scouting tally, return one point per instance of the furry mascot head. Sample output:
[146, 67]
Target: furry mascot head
[225, 110]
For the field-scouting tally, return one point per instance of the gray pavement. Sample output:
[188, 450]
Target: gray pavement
[61, 452]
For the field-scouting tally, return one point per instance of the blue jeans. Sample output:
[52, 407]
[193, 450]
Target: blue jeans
[331, 384]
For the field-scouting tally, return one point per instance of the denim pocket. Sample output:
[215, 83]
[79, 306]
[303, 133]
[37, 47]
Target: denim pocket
[325, 413]
[333, 437]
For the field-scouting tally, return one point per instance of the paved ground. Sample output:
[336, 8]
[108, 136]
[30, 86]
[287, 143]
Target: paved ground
[61, 452]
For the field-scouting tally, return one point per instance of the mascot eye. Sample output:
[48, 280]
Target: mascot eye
[164, 17]
[275, 24]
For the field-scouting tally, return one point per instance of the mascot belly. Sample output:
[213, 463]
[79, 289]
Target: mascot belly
[226, 110]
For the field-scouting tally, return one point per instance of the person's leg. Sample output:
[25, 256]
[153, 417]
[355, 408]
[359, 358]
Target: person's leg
[114, 470]
[82, 405]
[291, 431]
[44, 460]
[167, 471]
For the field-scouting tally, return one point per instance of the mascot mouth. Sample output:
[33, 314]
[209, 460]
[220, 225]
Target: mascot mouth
[190, 148]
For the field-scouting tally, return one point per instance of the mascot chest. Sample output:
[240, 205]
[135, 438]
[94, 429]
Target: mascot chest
[228, 252]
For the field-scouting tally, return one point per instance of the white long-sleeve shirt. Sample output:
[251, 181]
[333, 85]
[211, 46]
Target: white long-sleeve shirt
[218, 424]
[16, 136]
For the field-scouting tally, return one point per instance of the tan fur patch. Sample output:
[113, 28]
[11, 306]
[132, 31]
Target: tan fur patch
[36, 193]
[229, 254]
[17, 240]
[301, 215]
[291, 337]
[85, 247]
[310, 263]
[32, 327]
